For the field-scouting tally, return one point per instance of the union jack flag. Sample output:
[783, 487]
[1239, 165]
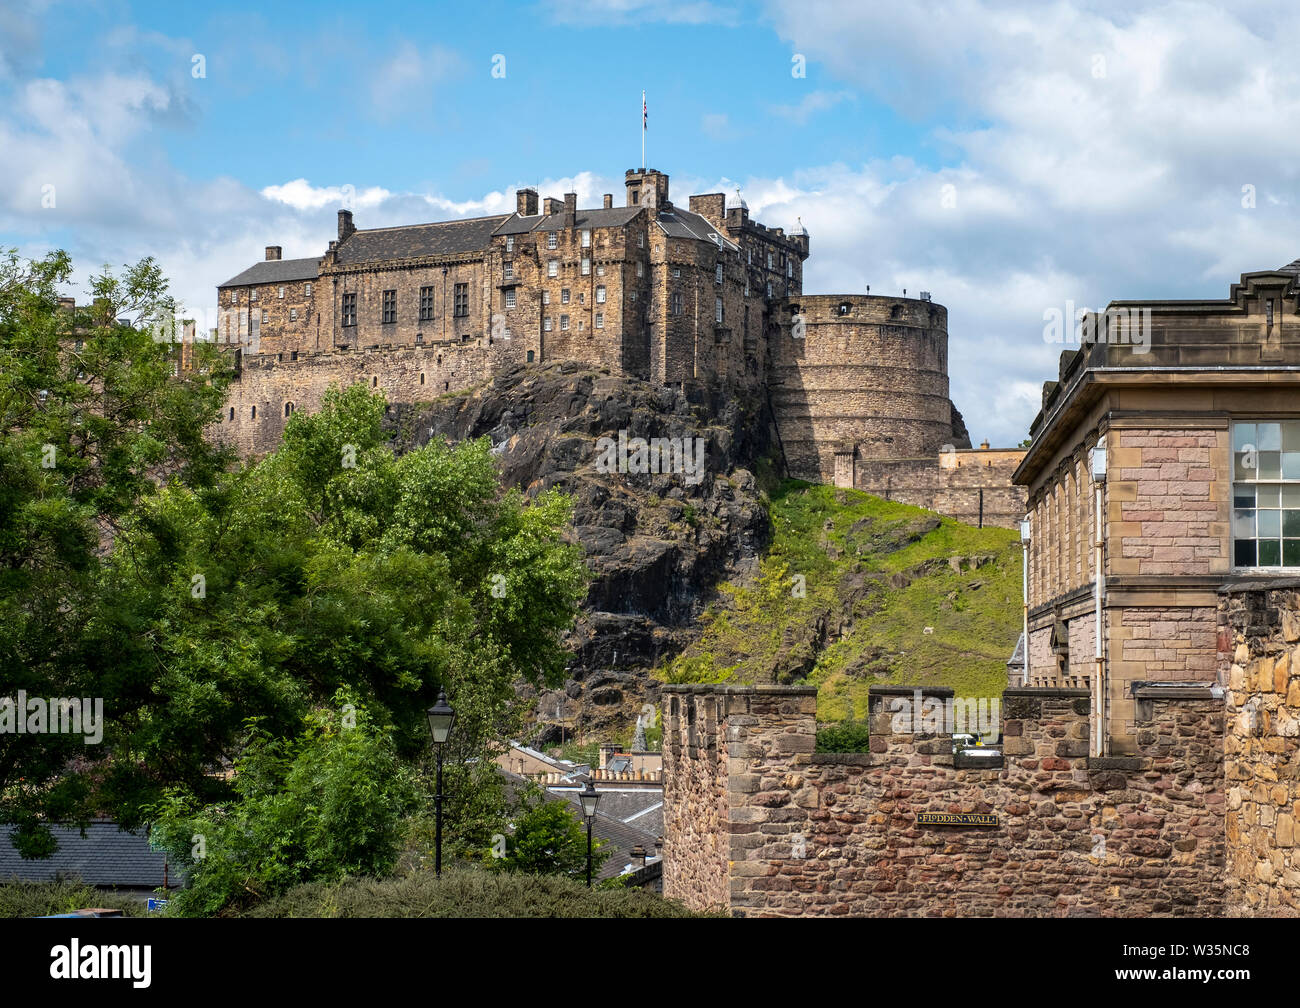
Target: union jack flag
[645, 114]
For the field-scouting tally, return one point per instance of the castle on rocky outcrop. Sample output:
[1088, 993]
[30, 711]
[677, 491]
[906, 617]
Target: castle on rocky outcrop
[702, 299]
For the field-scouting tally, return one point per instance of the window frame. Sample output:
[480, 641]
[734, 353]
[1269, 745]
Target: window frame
[1247, 450]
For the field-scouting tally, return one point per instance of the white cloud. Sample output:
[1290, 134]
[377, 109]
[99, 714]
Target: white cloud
[302, 195]
[594, 13]
[810, 105]
[406, 79]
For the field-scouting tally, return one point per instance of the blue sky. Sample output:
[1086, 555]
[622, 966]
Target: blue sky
[1005, 156]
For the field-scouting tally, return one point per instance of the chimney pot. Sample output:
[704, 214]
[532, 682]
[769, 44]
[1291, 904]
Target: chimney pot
[984, 445]
[638, 856]
[608, 200]
[551, 205]
[272, 252]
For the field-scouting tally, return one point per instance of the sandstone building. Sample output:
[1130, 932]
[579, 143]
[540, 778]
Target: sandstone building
[704, 299]
[1183, 418]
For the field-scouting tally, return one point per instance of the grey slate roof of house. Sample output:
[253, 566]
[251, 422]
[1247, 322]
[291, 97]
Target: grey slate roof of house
[106, 856]
[275, 271]
[1291, 267]
[411, 240]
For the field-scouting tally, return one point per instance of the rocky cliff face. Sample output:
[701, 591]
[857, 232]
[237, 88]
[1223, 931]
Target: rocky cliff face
[656, 543]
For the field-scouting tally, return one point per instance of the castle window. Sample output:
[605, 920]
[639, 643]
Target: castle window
[426, 304]
[675, 303]
[546, 297]
[288, 408]
[582, 297]
[640, 241]
[769, 288]
[677, 271]
[546, 324]
[293, 355]
[510, 300]
[896, 313]
[510, 243]
[717, 310]
[307, 289]
[232, 412]
[586, 267]
[552, 239]
[461, 304]
[263, 314]
[421, 378]
[749, 252]
[252, 295]
[717, 273]
[564, 322]
[600, 320]
[600, 270]
[579, 325]
[293, 314]
[634, 197]
[252, 413]
[281, 293]
[631, 295]
[388, 308]
[374, 381]
[1266, 494]
[509, 271]
[586, 237]
[640, 268]
[530, 356]
[564, 295]
[843, 308]
[600, 294]
[232, 298]
[349, 309]
[789, 268]
[552, 267]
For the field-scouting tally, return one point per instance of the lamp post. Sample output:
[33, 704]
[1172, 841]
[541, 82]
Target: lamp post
[441, 718]
[589, 798]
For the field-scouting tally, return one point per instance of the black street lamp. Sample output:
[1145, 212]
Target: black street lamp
[589, 798]
[441, 718]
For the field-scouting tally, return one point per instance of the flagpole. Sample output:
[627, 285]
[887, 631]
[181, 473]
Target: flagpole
[643, 126]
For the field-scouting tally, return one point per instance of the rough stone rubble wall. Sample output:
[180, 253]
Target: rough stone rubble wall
[1260, 637]
[1076, 836]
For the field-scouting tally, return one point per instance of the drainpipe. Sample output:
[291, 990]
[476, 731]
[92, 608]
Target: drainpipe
[1024, 574]
[1098, 466]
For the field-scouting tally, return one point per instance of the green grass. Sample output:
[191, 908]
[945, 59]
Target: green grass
[877, 574]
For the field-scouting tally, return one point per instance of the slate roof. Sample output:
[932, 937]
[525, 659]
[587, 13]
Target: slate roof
[1291, 267]
[275, 271]
[1017, 659]
[410, 240]
[678, 223]
[599, 217]
[106, 856]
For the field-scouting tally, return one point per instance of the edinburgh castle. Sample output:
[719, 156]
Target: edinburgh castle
[703, 300]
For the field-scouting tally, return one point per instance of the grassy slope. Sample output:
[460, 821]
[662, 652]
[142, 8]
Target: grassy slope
[877, 574]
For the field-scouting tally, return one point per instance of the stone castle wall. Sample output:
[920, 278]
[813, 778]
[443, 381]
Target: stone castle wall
[837, 834]
[1259, 645]
[875, 375]
[952, 483]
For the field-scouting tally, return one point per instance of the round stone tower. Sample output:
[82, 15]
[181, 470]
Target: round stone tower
[860, 377]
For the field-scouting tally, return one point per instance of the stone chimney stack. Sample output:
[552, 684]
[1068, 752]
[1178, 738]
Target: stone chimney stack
[608, 201]
[607, 749]
[526, 202]
[550, 205]
[346, 227]
[570, 209]
[638, 857]
[272, 252]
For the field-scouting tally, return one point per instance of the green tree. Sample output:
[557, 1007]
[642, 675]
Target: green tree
[318, 806]
[549, 839]
[92, 424]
